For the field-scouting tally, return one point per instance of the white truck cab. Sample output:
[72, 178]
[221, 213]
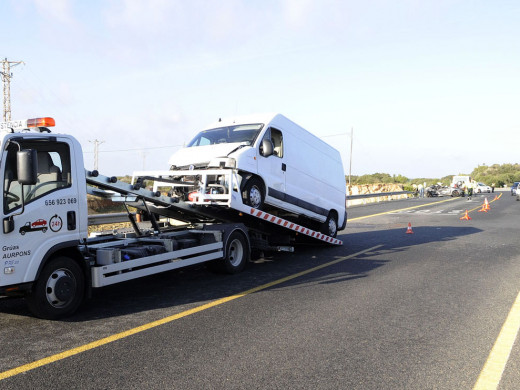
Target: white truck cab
[277, 165]
[44, 197]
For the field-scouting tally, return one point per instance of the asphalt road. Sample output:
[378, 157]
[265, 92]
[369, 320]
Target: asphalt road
[387, 310]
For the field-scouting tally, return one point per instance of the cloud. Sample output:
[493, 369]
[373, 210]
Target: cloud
[298, 12]
[141, 15]
[56, 10]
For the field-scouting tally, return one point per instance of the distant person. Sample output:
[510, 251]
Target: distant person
[469, 189]
[420, 187]
[492, 187]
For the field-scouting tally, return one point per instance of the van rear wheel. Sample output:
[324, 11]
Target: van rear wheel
[330, 226]
[254, 193]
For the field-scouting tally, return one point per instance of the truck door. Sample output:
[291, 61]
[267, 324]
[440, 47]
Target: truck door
[37, 217]
[272, 168]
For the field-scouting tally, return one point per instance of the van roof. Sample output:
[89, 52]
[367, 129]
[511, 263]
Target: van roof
[244, 119]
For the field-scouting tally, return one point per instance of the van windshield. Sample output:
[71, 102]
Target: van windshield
[245, 134]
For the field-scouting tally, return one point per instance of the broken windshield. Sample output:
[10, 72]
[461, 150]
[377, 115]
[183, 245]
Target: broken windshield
[245, 134]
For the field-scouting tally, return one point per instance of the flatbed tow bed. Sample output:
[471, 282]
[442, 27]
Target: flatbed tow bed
[156, 203]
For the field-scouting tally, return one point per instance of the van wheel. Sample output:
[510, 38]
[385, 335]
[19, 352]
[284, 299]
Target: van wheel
[254, 193]
[330, 226]
[59, 290]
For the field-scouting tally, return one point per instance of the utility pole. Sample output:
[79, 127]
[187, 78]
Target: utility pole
[351, 142]
[6, 79]
[96, 152]
[143, 156]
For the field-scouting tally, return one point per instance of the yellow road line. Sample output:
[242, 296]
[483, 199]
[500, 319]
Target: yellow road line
[150, 325]
[491, 201]
[493, 369]
[394, 211]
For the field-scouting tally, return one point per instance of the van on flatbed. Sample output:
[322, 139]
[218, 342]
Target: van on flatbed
[268, 162]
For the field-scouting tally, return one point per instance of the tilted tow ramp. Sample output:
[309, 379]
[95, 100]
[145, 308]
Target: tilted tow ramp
[206, 207]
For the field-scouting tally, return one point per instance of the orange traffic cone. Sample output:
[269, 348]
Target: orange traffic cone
[485, 206]
[466, 216]
[496, 197]
[409, 230]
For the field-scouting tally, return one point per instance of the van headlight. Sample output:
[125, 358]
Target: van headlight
[222, 162]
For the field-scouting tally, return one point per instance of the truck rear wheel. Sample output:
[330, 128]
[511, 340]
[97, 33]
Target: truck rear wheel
[59, 290]
[254, 193]
[236, 256]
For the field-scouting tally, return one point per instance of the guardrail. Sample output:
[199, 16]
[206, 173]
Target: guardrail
[378, 194]
[355, 200]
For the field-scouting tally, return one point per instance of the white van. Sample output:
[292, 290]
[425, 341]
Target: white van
[275, 164]
[459, 180]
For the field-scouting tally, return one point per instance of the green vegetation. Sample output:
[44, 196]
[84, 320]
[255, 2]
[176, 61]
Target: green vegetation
[501, 175]
[385, 178]
[498, 174]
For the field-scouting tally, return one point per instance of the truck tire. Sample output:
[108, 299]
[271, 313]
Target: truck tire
[254, 193]
[330, 226]
[59, 290]
[236, 256]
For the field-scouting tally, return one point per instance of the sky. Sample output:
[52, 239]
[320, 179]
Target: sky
[421, 88]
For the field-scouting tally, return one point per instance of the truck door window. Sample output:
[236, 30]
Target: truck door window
[54, 173]
[12, 189]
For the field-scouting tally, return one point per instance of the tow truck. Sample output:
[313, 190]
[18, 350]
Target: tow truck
[45, 188]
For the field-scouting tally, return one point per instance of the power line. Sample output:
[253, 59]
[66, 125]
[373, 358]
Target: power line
[6, 78]
[137, 149]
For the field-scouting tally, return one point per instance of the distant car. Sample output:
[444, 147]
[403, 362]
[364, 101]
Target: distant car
[481, 187]
[440, 190]
[513, 187]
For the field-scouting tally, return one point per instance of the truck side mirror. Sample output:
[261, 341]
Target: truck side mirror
[267, 147]
[27, 166]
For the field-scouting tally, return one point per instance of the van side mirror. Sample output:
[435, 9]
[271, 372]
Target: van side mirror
[27, 166]
[267, 147]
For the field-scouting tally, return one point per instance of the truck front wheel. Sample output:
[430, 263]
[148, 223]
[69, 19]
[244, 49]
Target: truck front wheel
[59, 290]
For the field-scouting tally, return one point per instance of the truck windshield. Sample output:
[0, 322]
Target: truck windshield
[229, 134]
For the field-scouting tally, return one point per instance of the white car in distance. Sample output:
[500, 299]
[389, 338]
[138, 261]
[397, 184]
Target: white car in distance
[481, 187]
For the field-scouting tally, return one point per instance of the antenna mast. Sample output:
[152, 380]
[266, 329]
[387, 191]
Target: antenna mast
[6, 79]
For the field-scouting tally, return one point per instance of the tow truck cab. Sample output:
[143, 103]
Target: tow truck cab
[44, 208]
